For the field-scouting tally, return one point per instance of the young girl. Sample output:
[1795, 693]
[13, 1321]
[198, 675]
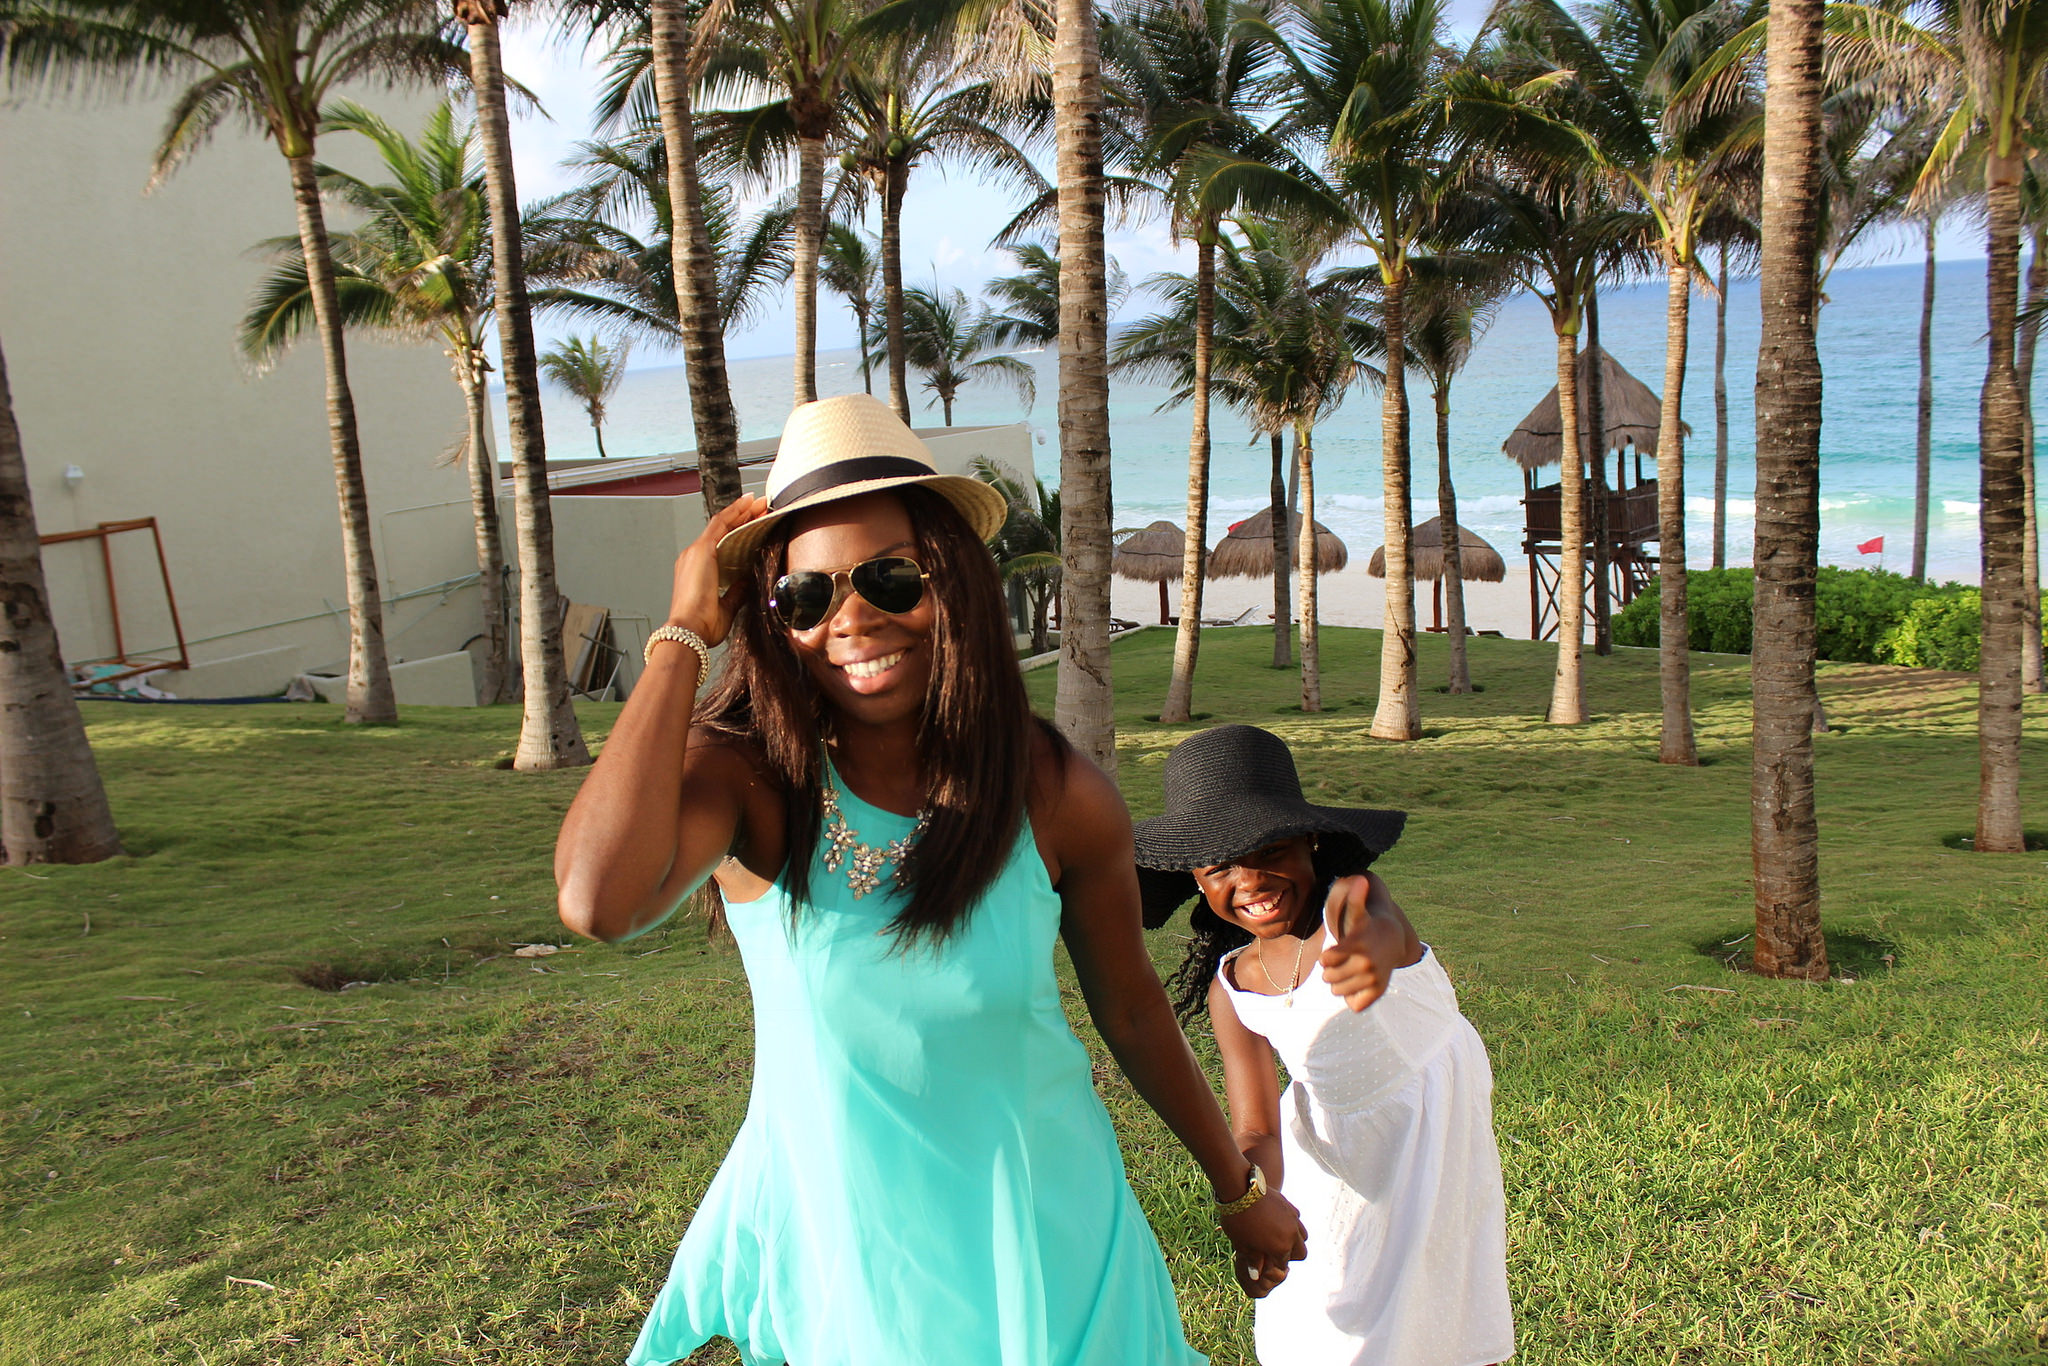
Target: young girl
[1384, 1137]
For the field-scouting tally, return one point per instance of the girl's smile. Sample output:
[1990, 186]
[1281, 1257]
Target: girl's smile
[1264, 892]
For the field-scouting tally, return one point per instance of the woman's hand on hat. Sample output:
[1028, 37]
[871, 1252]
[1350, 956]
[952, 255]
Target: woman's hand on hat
[1370, 938]
[696, 602]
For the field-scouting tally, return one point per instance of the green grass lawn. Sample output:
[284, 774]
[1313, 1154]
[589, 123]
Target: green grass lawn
[487, 1158]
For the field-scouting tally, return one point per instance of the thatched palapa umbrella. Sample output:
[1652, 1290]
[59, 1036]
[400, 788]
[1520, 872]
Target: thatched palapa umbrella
[1247, 552]
[1633, 413]
[1480, 562]
[1151, 556]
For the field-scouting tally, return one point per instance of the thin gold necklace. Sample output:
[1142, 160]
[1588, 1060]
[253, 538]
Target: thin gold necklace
[1259, 951]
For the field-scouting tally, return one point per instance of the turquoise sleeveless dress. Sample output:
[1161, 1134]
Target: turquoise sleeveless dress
[925, 1176]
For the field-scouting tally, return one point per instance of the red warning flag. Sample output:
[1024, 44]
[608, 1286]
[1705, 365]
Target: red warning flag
[1873, 546]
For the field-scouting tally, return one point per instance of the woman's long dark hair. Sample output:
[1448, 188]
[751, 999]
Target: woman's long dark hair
[1336, 856]
[974, 743]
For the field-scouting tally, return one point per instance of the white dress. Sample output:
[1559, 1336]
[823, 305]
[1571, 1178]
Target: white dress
[1387, 1133]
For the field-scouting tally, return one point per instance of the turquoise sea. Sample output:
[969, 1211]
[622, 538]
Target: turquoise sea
[1868, 341]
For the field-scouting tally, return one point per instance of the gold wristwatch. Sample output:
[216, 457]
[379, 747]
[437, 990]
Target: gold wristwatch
[1255, 1191]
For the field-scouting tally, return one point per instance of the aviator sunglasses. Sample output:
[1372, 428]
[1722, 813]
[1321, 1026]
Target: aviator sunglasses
[889, 583]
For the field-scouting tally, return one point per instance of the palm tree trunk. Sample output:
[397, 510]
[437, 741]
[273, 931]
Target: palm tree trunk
[2030, 557]
[1187, 641]
[1674, 662]
[549, 736]
[490, 545]
[370, 698]
[53, 808]
[2001, 527]
[1721, 417]
[892, 290]
[1596, 460]
[696, 268]
[946, 406]
[1923, 450]
[1283, 560]
[809, 232]
[1083, 708]
[1305, 555]
[597, 430]
[1784, 832]
[1567, 688]
[1396, 717]
[1454, 552]
[867, 372]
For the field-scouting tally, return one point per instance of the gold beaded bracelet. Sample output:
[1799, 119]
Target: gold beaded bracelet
[682, 635]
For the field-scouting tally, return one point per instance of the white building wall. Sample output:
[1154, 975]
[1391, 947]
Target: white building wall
[118, 313]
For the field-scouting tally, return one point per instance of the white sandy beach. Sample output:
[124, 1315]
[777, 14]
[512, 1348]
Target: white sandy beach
[1349, 597]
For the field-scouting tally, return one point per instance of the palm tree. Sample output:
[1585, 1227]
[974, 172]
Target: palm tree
[1923, 445]
[1031, 298]
[847, 265]
[926, 104]
[1554, 230]
[273, 64]
[596, 270]
[2032, 678]
[1286, 354]
[590, 371]
[1083, 708]
[1448, 317]
[418, 266]
[1027, 549]
[1784, 833]
[1361, 76]
[1189, 74]
[1982, 62]
[1676, 147]
[801, 54]
[947, 341]
[671, 52]
[53, 807]
[549, 736]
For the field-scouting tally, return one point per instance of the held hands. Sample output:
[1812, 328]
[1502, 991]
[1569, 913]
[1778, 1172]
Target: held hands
[1267, 1236]
[695, 601]
[1370, 938]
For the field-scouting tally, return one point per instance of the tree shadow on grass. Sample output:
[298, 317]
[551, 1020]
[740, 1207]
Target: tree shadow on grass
[1850, 953]
[1965, 840]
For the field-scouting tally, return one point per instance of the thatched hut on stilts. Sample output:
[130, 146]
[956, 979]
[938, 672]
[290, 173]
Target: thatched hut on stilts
[1153, 555]
[1632, 415]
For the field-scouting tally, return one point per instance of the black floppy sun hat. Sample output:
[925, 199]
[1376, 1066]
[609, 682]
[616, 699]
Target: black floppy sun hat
[1231, 790]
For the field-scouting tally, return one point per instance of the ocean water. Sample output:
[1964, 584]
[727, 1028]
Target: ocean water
[1869, 356]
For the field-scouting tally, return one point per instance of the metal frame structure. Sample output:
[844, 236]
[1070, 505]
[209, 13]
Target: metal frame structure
[102, 533]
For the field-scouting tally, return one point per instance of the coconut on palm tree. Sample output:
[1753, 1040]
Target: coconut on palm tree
[417, 267]
[590, 370]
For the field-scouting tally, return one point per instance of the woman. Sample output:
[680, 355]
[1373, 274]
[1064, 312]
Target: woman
[925, 1173]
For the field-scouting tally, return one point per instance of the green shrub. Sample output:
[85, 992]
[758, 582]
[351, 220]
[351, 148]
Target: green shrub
[1937, 633]
[1717, 610]
[1855, 613]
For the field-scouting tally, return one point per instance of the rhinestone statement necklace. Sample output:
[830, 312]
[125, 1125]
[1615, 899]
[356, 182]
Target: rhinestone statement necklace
[865, 863]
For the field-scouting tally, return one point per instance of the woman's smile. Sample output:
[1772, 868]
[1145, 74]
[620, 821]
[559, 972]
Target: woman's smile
[870, 675]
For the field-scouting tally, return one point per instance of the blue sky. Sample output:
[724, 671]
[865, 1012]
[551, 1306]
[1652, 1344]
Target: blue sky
[948, 217]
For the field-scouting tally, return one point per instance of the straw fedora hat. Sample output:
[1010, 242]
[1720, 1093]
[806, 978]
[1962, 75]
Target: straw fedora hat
[1233, 789]
[842, 447]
